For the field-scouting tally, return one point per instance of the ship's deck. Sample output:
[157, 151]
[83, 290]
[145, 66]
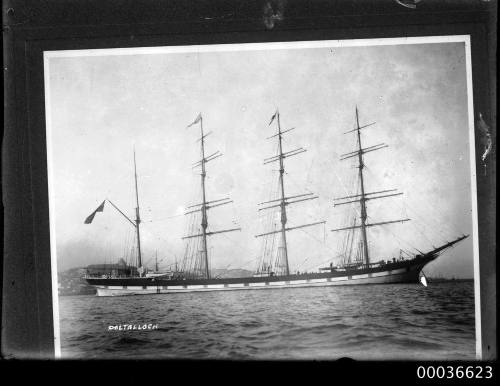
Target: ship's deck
[151, 281]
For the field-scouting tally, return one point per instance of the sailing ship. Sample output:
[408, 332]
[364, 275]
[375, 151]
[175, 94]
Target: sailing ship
[273, 269]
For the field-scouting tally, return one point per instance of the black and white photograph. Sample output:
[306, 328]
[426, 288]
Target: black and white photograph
[307, 200]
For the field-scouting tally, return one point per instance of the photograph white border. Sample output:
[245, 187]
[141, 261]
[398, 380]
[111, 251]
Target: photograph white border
[47, 55]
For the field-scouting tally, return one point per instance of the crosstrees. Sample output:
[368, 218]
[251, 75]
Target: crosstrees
[366, 194]
[371, 225]
[292, 228]
[290, 153]
[282, 132]
[287, 198]
[211, 157]
[359, 128]
[289, 202]
[212, 233]
[208, 202]
[366, 199]
[363, 151]
[209, 207]
[204, 136]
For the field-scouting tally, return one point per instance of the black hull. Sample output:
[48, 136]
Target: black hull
[406, 271]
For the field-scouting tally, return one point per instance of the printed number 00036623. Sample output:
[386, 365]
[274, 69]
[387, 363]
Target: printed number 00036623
[455, 372]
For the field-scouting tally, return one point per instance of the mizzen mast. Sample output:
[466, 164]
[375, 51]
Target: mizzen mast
[205, 205]
[283, 201]
[363, 197]
[135, 223]
[137, 218]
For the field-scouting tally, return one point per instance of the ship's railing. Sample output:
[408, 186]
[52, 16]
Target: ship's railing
[106, 276]
[355, 266]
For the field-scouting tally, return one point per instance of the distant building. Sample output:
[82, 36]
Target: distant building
[114, 270]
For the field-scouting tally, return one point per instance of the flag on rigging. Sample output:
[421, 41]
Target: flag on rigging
[100, 208]
[198, 119]
[274, 116]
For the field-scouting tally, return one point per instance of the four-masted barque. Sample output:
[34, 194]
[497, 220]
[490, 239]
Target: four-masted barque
[273, 271]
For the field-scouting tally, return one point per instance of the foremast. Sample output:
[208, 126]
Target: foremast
[205, 205]
[283, 200]
[363, 197]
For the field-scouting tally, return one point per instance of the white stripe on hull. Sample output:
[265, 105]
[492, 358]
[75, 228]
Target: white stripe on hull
[387, 277]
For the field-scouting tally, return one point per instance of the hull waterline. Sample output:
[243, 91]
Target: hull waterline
[399, 272]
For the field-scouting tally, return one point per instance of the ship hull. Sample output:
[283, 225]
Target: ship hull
[398, 272]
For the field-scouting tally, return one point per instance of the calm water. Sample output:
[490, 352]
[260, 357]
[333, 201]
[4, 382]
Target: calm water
[406, 321]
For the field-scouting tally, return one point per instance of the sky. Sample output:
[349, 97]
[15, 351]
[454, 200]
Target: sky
[104, 103]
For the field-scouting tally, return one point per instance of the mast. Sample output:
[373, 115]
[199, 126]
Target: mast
[363, 197]
[135, 223]
[282, 203]
[205, 204]
[204, 219]
[137, 218]
[283, 200]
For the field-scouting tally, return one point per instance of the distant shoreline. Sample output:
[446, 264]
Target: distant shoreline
[442, 279]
